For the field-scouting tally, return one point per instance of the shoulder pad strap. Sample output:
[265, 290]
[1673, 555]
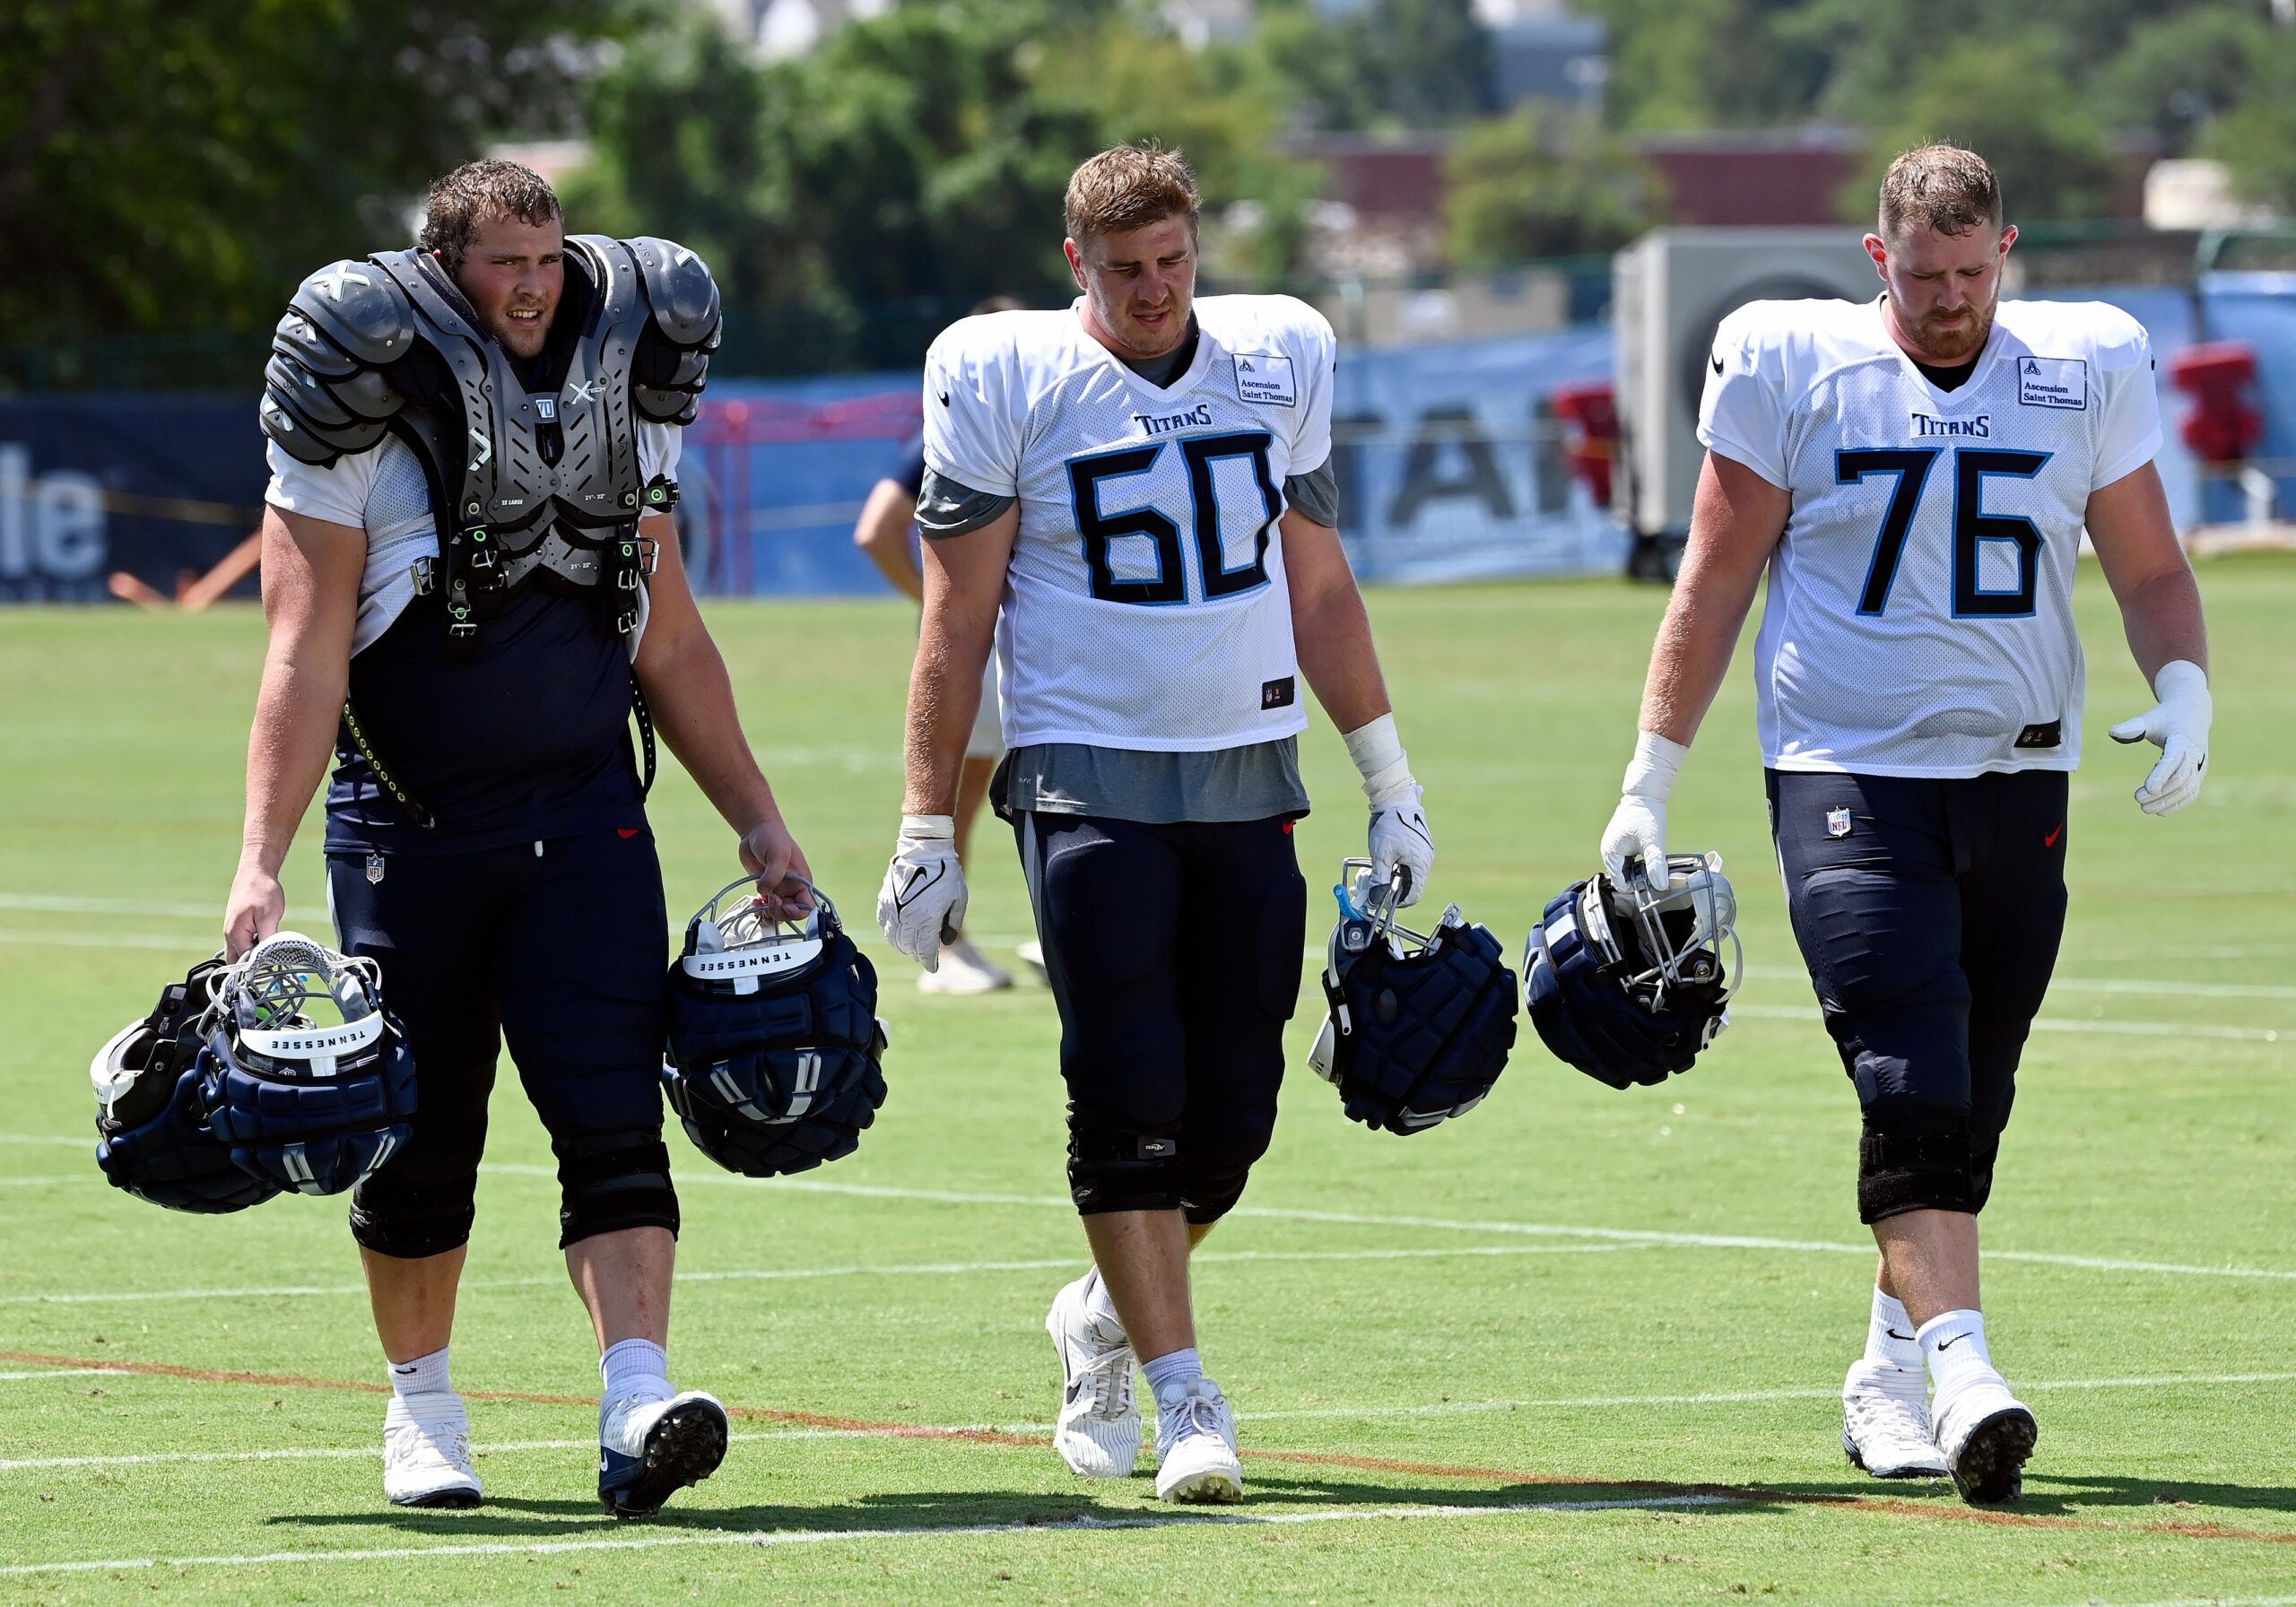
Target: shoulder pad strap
[679, 289]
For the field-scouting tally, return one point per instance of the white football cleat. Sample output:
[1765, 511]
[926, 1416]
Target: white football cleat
[964, 970]
[1195, 1449]
[648, 1450]
[1098, 1432]
[1031, 955]
[1885, 1422]
[1986, 1434]
[426, 1451]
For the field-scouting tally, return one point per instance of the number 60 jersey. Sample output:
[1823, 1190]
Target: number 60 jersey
[1919, 619]
[1146, 607]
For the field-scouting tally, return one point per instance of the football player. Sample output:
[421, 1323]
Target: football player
[1915, 471]
[472, 443]
[1134, 497]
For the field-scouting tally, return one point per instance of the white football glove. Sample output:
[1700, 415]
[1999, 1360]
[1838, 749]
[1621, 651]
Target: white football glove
[1399, 837]
[1637, 827]
[2179, 726]
[922, 904]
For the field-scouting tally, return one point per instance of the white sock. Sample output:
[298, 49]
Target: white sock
[1890, 1337]
[1954, 1343]
[424, 1376]
[635, 1367]
[1099, 1305]
[1169, 1375]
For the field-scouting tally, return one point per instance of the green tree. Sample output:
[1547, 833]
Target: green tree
[2007, 99]
[854, 200]
[1389, 63]
[178, 165]
[1519, 190]
[2176, 75]
[2255, 139]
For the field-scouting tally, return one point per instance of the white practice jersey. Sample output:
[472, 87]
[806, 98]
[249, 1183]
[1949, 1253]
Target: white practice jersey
[1146, 607]
[1919, 619]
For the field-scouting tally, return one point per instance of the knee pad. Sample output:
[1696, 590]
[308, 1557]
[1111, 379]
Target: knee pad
[1112, 1168]
[612, 1182]
[1908, 1164]
[1215, 1166]
[411, 1220]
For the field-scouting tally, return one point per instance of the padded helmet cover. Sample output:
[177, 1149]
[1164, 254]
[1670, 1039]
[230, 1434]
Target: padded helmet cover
[775, 1061]
[312, 1105]
[1419, 1026]
[153, 1137]
[1628, 985]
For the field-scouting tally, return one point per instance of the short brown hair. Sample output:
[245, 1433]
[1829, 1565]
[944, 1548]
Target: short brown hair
[479, 192]
[1127, 187]
[1942, 188]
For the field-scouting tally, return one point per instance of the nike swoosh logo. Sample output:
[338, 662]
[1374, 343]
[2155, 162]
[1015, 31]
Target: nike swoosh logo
[2050, 840]
[944, 397]
[1893, 1334]
[1075, 1388]
[1718, 363]
[1947, 1344]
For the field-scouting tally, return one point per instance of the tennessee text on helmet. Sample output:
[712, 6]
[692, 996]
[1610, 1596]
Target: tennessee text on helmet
[775, 1061]
[307, 1077]
[1628, 981]
[1419, 1025]
[152, 1138]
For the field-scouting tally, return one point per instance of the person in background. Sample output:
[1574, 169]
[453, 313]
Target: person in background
[887, 531]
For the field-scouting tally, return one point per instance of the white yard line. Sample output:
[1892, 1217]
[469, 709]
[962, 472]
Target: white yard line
[63, 1372]
[106, 939]
[922, 1268]
[1636, 1236]
[1248, 1415]
[69, 904]
[2103, 1028]
[44, 1138]
[2161, 986]
[794, 1537]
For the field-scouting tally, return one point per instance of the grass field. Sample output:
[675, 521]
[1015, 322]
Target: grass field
[1581, 1346]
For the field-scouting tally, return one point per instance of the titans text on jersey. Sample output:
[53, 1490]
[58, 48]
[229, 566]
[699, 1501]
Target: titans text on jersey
[1919, 619]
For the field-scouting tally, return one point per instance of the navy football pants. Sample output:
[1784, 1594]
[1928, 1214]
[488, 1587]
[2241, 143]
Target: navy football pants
[564, 953]
[1175, 954]
[1929, 913]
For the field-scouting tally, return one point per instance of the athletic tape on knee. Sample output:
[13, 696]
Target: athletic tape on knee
[1124, 1171]
[611, 1184]
[1922, 1169]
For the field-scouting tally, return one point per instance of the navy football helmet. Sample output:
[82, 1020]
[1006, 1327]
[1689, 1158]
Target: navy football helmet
[775, 1061]
[1419, 1025]
[152, 1138]
[307, 1078]
[1628, 983]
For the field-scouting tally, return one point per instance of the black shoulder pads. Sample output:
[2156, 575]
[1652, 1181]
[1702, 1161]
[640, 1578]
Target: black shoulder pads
[671, 362]
[325, 390]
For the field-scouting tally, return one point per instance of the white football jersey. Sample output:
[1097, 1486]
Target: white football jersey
[1919, 619]
[1146, 607]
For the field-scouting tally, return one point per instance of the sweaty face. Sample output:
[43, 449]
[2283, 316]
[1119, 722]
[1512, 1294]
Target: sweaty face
[1942, 289]
[513, 275]
[1138, 286]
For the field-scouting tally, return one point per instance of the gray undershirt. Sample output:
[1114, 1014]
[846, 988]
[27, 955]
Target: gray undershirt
[1254, 782]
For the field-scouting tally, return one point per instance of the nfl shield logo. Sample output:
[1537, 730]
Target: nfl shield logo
[1837, 822]
[374, 868]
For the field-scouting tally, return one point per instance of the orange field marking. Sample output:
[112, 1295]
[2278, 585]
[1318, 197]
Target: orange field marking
[1884, 1506]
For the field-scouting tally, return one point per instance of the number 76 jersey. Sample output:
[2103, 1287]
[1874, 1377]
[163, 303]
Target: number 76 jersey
[1146, 607]
[1920, 617]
